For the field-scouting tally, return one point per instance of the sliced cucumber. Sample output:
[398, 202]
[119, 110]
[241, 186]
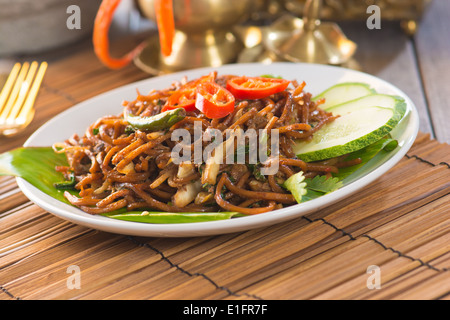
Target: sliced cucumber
[343, 92]
[377, 99]
[361, 123]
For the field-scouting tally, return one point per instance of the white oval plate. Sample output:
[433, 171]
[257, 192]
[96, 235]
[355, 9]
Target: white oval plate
[317, 77]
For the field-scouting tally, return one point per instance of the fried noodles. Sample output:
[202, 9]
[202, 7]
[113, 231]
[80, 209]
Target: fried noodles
[116, 166]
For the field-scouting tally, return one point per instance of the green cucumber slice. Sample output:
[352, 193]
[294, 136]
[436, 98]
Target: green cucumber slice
[361, 123]
[343, 92]
[377, 99]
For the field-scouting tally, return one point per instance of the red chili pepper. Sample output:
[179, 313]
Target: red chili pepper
[255, 87]
[183, 98]
[213, 100]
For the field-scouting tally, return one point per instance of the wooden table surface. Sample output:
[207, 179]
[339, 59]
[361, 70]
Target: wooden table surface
[408, 235]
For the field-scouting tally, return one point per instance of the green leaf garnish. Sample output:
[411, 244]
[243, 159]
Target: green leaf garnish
[319, 186]
[36, 165]
[323, 184]
[169, 217]
[385, 144]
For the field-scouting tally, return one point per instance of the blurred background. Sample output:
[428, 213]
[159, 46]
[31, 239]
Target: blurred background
[33, 27]
[217, 31]
[410, 49]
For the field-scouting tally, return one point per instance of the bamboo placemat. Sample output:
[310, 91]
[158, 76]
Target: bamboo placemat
[399, 226]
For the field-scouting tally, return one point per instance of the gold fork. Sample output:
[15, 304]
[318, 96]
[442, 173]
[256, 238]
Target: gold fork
[18, 96]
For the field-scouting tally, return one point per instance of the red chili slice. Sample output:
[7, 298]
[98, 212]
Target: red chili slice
[183, 98]
[213, 100]
[255, 87]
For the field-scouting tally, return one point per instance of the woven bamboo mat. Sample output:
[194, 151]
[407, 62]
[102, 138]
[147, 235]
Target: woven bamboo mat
[399, 227]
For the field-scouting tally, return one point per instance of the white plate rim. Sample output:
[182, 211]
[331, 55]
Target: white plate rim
[76, 216]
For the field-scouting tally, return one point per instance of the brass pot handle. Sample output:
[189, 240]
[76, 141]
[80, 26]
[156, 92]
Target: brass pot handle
[164, 15]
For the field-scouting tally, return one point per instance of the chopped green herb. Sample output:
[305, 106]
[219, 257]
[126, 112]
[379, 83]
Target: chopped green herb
[66, 185]
[271, 76]
[296, 185]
